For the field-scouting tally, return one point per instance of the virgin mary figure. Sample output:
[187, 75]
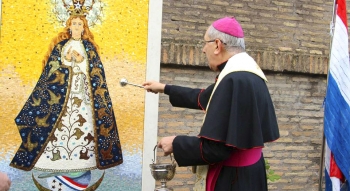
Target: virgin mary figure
[67, 125]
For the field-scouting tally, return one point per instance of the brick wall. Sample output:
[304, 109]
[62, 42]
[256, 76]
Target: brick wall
[279, 61]
[298, 102]
[295, 25]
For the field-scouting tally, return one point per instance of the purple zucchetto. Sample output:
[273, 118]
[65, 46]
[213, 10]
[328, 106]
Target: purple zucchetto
[230, 26]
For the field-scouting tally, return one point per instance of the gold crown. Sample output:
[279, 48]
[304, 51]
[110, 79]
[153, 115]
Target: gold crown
[78, 8]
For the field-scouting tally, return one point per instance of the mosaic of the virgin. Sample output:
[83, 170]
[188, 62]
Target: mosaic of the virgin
[67, 125]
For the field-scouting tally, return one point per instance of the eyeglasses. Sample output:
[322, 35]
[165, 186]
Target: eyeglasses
[207, 41]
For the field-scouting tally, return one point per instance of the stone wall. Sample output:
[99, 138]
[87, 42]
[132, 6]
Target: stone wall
[290, 40]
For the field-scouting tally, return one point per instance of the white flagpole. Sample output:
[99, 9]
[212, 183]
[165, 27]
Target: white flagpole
[332, 24]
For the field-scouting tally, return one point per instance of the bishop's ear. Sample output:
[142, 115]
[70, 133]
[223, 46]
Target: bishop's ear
[218, 47]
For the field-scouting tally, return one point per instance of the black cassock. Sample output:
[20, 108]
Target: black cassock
[240, 116]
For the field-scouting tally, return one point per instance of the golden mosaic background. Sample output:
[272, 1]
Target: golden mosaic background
[26, 32]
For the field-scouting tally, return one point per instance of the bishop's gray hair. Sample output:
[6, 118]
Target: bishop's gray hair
[231, 43]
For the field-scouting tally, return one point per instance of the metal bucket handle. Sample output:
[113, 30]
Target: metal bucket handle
[154, 157]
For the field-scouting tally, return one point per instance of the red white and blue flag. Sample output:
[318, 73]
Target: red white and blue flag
[70, 184]
[337, 105]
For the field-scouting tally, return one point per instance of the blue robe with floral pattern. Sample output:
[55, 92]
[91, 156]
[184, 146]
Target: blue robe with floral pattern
[41, 113]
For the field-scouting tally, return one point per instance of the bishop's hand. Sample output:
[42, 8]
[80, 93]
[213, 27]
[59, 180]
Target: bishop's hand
[166, 143]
